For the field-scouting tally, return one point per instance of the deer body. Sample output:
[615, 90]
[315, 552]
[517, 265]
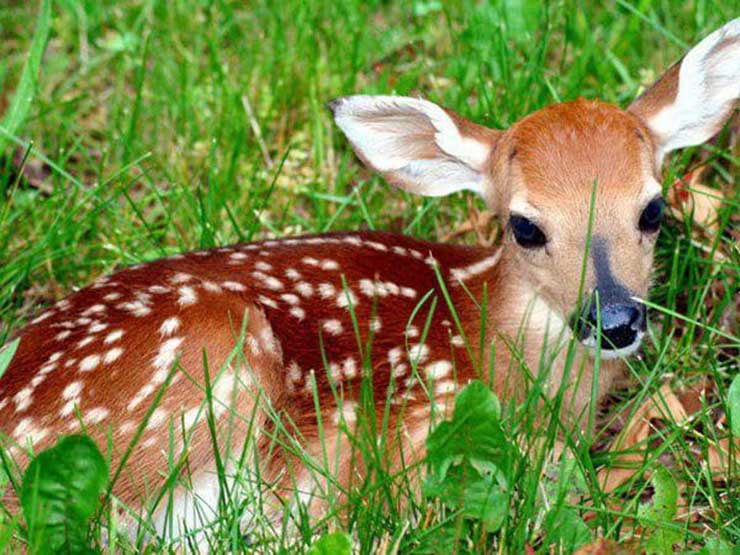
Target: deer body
[282, 333]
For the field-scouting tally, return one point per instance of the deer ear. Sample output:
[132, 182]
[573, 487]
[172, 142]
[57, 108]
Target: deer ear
[690, 103]
[415, 144]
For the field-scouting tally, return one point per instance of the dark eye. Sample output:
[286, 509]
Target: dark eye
[526, 233]
[652, 215]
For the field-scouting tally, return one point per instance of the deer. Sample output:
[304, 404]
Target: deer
[253, 335]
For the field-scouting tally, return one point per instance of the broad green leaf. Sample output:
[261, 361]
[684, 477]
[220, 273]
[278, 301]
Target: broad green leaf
[6, 355]
[474, 433]
[733, 405]
[478, 496]
[716, 546]
[337, 543]
[662, 509]
[565, 529]
[26, 90]
[60, 492]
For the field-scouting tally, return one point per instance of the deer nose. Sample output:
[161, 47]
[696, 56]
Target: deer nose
[620, 323]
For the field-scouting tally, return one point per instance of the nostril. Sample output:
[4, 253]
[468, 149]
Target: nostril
[637, 318]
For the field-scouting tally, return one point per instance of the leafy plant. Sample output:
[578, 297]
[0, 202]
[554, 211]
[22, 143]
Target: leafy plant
[662, 509]
[336, 543]
[471, 459]
[61, 491]
[563, 525]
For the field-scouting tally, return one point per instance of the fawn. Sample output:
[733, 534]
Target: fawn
[267, 332]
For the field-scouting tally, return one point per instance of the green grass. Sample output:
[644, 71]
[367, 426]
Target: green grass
[162, 127]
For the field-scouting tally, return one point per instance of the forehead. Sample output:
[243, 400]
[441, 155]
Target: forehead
[560, 151]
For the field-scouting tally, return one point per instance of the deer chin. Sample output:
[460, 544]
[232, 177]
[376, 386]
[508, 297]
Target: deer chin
[591, 345]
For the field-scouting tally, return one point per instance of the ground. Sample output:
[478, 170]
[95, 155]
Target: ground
[159, 127]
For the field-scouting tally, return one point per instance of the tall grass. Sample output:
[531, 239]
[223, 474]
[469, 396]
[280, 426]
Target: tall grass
[159, 127]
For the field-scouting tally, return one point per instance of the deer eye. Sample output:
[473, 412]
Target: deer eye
[526, 232]
[652, 215]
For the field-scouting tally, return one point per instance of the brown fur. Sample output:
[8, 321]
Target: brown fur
[299, 332]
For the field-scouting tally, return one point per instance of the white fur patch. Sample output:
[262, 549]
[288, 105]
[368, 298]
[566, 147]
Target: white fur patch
[709, 86]
[380, 128]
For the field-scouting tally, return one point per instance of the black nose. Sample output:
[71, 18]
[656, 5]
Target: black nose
[620, 323]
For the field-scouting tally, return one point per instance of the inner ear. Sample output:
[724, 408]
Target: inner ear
[691, 102]
[416, 144]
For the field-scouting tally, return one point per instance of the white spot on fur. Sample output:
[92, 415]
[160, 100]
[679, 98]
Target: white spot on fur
[395, 355]
[158, 417]
[114, 296]
[346, 413]
[267, 301]
[97, 327]
[62, 335]
[187, 296]
[400, 370]
[333, 327]
[377, 246]
[418, 353]
[290, 298]
[96, 415]
[445, 387]
[212, 287]
[89, 363]
[23, 399]
[326, 290]
[263, 266]
[305, 289]
[112, 355]
[113, 336]
[408, 292]
[47, 368]
[137, 308]
[329, 265]
[180, 277]
[94, 309]
[253, 345]
[310, 261]
[461, 274]
[345, 298]
[142, 394]
[298, 313]
[72, 390]
[293, 274]
[159, 289]
[294, 371]
[165, 358]
[233, 286]
[169, 326]
[349, 368]
[356, 241]
[43, 317]
[439, 369]
[86, 341]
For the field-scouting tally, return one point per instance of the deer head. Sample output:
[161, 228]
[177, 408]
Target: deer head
[558, 169]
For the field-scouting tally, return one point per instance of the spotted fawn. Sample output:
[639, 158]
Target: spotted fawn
[283, 334]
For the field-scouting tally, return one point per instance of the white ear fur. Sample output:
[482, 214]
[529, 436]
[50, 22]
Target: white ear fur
[415, 144]
[706, 93]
